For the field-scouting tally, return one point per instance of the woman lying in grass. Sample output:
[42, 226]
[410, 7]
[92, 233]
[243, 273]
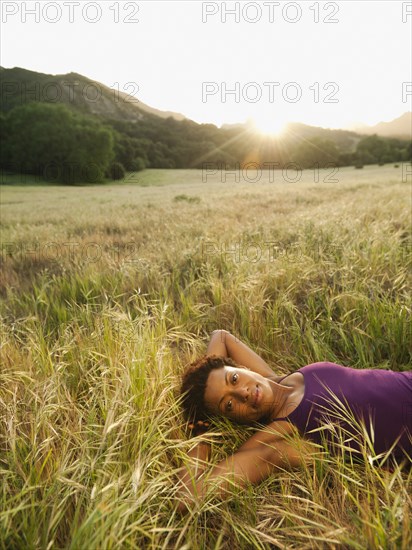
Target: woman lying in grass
[318, 402]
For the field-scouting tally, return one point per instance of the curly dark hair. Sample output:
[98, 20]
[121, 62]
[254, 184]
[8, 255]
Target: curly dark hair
[194, 382]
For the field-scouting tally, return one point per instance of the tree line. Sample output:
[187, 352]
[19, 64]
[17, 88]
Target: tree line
[61, 144]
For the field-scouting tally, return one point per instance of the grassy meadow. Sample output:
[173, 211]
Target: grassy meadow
[108, 292]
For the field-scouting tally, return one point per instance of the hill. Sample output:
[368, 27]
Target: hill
[20, 86]
[87, 96]
[400, 127]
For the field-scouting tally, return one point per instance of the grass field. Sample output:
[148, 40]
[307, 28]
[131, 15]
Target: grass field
[108, 292]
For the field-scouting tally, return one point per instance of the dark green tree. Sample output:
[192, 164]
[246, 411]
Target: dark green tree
[372, 149]
[53, 142]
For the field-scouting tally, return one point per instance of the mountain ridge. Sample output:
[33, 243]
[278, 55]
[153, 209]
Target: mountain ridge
[67, 85]
[400, 127]
[125, 106]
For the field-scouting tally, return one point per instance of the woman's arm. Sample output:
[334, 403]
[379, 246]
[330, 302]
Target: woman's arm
[225, 344]
[268, 450]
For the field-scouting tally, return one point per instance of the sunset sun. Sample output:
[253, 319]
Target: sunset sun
[270, 125]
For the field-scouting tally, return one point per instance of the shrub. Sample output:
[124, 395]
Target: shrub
[116, 171]
[137, 164]
[187, 198]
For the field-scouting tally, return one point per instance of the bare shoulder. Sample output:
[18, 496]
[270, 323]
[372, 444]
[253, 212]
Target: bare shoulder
[274, 377]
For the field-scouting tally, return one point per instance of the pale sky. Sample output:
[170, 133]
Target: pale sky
[282, 65]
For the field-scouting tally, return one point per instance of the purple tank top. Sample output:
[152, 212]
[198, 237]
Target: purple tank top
[338, 395]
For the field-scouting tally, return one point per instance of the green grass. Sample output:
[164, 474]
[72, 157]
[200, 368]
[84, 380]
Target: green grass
[107, 293]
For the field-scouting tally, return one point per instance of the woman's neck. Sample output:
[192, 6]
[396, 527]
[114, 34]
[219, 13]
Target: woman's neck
[287, 395]
[281, 394]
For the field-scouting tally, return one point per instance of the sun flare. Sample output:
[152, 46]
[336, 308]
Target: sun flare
[270, 125]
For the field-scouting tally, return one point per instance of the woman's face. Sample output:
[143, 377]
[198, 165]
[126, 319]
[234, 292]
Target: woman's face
[239, 394]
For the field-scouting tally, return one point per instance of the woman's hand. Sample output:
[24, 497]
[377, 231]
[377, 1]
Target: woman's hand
[198, 428]
[226, 345]
[197, 463]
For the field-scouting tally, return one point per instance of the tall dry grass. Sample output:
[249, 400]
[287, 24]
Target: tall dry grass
[107, 293]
